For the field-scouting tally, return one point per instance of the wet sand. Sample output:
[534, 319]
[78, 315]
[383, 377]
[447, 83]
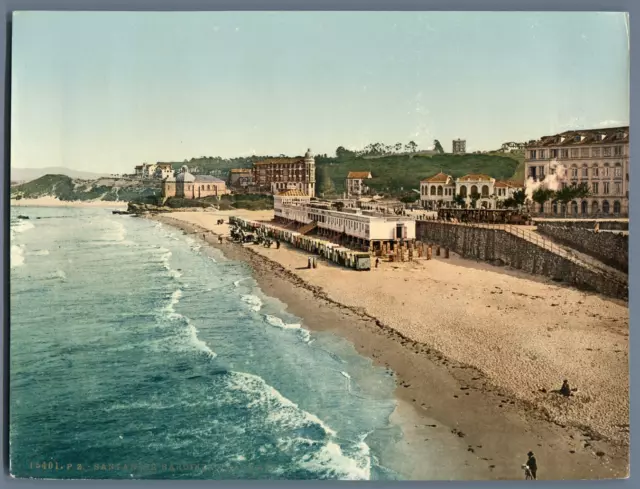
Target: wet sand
[470, 398]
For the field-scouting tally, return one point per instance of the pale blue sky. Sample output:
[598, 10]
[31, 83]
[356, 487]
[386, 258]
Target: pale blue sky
[105, 91]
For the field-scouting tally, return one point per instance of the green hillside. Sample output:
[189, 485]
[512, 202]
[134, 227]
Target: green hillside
[398, 174]
[65, 188]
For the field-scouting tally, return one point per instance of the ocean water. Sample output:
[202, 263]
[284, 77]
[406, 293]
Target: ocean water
[138, 353]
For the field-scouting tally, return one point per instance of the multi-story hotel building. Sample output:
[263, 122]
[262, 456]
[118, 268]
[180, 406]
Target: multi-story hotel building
[597, 157]
[278, 174]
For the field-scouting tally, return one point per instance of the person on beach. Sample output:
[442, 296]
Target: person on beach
[377, 262]
[565, 390]
[277, 244]
[220, 238]
[532, 464]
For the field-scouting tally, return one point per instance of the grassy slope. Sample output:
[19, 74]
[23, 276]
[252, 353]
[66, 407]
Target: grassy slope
[65, 188]
[395, 172]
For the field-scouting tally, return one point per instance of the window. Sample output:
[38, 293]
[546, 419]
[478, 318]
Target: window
[564, 153]
[532, 154]
[574, 173]
[606, 171]
[617, 171]
[574, 152]
[585, 171]
[594, 188]
[596, 172]
[595, 152]
[618, 188]
[584, 152]
[617, 151]
[541, 154]
[554, 153]
[605, 188]
[577, 139]
[606, 151]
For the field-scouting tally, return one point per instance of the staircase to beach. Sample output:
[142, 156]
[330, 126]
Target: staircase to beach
[586, 261]
[307, 228]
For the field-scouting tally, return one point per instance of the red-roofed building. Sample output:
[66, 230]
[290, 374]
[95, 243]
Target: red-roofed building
[355, 183]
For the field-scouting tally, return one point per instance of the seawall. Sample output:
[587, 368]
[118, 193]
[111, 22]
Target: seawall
[503, 248]
[610, 248]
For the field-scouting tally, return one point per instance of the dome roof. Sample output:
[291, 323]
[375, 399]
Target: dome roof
[185, 177]
[308, 154]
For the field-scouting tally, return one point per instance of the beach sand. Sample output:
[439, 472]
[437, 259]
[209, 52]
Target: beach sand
[477, 351]
[53, 202]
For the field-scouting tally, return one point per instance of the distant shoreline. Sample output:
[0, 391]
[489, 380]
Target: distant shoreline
[53, 202]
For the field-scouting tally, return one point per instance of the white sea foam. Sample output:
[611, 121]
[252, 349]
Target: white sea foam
[17, 256]
[166, 256]
[279, 323]
[345, 374]
[253, 301]
[239, 281]
[21, 226]
[60, 274]
[39, 252]
[329, 458]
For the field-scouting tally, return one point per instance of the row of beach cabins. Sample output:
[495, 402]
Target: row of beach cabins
[333, 252]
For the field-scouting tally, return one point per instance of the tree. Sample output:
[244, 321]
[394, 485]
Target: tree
[459, 200]
[541, 195]
[398, 147]
[519, 197]
[412, 146]
[475, 196]
[569, 193]
[438, 147]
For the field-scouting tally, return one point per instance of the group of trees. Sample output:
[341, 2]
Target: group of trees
[377, 149]
[565, 195]
[540, 196]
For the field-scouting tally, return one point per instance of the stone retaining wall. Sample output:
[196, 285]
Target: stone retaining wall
[608, 247]
[587, 224]
[501, 247]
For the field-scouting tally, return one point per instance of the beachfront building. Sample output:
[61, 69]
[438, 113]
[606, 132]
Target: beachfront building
[355, 225]
[441, 190]
[459, 146]
[138, 171]
[355, 183]
[188, 186]
[597, 157]
[240, 177]
[277, 174]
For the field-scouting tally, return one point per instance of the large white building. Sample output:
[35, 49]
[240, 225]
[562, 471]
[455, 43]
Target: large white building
[440, 190]
[596, 157]
[363, 226]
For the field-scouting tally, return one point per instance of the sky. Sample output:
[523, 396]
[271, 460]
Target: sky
[105, 91]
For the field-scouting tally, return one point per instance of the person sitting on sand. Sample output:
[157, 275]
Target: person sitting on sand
[532, 464]
[565, 390]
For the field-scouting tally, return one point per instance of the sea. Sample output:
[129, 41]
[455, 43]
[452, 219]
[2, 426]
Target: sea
[138, 352]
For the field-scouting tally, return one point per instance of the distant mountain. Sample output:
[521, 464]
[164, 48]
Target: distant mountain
[28, 174]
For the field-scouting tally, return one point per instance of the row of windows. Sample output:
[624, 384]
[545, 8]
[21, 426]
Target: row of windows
[541, 154]
[606, 188]
[596, 171]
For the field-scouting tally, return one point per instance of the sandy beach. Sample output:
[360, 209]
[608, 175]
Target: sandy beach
[53, 202]
[478, 352]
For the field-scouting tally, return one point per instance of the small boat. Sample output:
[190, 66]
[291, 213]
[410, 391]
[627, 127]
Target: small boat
[23, 217]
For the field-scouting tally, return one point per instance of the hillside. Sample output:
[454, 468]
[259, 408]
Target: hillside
[66, 188]
[395, 174]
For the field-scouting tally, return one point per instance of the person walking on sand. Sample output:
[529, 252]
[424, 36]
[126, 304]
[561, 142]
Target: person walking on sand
[377, 262]
[277, 244]
[532, 464]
